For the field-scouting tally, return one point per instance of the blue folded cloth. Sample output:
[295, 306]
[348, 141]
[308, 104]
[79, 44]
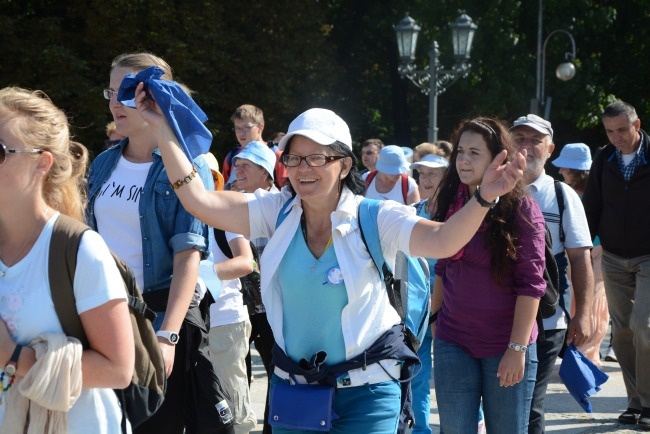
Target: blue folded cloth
[184, 116]
[580, 376]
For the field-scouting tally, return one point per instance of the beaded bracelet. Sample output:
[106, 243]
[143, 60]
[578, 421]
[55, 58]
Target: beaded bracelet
[178, 184]
[2, 381]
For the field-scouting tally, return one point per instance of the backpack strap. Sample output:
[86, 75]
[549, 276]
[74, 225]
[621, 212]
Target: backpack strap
[370, 177]
[284, 211]
[222, 242]
[368, 212]
[66, 237]
[405, 187]
[559, 195]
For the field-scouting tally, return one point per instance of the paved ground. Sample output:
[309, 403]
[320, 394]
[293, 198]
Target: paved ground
[563, 414]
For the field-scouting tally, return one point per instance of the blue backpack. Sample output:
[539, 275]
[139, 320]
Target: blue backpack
[408, 286]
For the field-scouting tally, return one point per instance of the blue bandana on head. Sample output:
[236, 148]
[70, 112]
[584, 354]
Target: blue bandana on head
[184, 116]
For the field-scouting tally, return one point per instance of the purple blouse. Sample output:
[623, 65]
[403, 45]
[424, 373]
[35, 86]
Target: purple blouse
[477, 313]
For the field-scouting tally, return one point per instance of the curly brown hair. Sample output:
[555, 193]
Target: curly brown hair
[501, 236]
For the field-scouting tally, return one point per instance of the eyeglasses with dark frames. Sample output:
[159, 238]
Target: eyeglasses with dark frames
[314, 160]
[4, 151]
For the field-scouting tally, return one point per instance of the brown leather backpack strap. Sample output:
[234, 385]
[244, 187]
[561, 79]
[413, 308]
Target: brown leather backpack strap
[64, 246]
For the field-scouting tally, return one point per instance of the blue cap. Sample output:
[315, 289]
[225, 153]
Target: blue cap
[392, 161]
[574, 156]
[260, 154]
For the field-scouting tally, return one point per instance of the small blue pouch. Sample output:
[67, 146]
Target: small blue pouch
[301, 406]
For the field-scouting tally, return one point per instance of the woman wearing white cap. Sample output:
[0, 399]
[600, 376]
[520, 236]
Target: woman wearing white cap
[320, 287]
[390, 179]
[574, 163]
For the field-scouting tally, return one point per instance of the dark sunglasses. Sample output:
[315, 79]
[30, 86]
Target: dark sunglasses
[4, 151]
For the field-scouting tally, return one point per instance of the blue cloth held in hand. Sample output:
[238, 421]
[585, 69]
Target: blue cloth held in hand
[185, 117]
[580, 376]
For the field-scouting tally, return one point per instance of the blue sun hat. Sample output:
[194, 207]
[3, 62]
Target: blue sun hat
[574, 156]
[260, 154]
[392, 161]
[408, 153]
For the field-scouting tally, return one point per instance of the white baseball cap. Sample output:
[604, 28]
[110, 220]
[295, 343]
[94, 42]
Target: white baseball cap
[320, 125]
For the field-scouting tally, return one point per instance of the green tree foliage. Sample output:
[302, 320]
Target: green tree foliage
[287, 56]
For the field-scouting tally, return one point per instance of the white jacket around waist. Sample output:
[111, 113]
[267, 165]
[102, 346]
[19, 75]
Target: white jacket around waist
[368, 313]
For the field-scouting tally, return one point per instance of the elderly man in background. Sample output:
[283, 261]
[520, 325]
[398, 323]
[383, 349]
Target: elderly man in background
[571, 241]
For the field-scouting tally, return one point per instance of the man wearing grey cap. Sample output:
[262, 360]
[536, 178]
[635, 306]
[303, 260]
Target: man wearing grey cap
[572, 240]
[617, 208]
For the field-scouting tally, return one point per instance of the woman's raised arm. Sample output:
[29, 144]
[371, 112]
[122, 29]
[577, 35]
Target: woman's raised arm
[225, 210]
[441, 240]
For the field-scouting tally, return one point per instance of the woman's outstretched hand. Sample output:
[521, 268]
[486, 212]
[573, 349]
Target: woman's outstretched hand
[500, 178]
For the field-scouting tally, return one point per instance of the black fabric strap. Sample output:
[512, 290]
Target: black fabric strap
[222, 242]
[559, 194]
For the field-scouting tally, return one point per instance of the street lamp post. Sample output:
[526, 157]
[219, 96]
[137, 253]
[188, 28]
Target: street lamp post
[434, 79]
[565, 71]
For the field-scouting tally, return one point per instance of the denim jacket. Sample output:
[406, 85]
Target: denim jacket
[166, 227]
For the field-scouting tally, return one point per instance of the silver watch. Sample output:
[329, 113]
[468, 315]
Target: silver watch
[517, 347]
[171, 337]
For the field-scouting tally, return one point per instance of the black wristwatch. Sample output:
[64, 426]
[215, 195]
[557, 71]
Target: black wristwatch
[484, 203]
[10, 368]
[433, 317]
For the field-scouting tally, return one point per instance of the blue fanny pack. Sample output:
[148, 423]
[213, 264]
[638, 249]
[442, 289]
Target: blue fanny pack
[302, 406]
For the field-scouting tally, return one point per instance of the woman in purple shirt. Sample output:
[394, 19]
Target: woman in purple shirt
[486, 296]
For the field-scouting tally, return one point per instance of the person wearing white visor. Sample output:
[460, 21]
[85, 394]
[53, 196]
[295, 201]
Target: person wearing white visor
[431, 169]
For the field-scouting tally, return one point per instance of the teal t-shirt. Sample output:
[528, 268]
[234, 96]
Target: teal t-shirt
[313, 298]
